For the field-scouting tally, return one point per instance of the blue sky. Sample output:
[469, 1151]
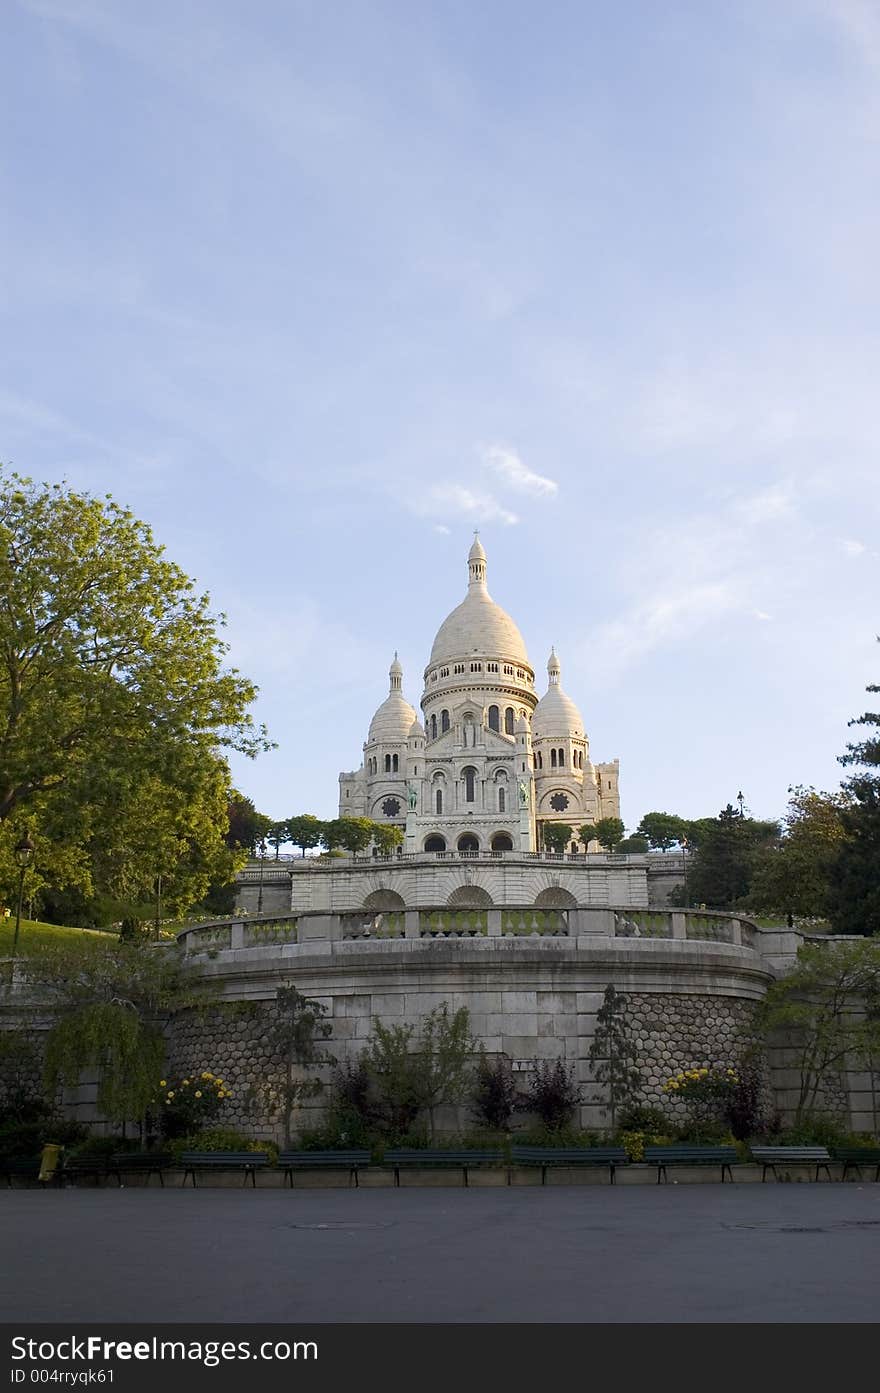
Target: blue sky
[316, 288]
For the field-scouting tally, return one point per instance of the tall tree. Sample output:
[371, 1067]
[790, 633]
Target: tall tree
[113, 691]
[277, 835]
[854, 895]
[663, 830]
[727, 851]
[609, 831]
[305, 831]
[794, 876]
[387, 837]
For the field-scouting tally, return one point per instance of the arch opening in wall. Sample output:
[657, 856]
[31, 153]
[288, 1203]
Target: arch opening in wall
[469, 776]
[444, 722]
[384, 900]
[508, 721]
[470, 897]
[502, 841]
[554, 897]
[468, 842]
[435, 843]
[494, 719]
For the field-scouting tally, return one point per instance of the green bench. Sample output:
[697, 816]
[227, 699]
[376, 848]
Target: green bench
[25, 1167]
[858, 1156]
[545, 1156]
[81, 1167]
[352, 1161]
[140, 1163]
[772, 1156]
[248, 1162]
[663, 1156]
[462, 1160]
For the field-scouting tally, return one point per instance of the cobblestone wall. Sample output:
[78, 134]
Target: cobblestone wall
[686, 1032]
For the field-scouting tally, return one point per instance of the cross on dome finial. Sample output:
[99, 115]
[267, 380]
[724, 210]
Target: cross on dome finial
[476, 562]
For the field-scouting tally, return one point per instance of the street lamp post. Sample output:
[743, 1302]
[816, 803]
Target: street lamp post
[24, 855]
[260, 892]
[740, 798]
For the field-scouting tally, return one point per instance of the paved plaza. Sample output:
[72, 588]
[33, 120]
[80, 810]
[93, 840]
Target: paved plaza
[786, 1252]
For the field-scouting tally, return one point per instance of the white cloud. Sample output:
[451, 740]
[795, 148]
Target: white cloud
[766, 506]
[442, 529]
[763, 616]
[853, 548]
[455, 500]
[517, 475]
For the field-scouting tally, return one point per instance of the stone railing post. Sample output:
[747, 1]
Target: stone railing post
[411, 923]
[236, 939]
[679, 925]
[493, 923]
[737, 937]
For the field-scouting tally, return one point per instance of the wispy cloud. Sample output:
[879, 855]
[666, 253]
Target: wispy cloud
[457, 501]
[507, 463]
[853, 548]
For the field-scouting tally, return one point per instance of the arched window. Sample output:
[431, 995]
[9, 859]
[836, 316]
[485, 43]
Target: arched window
[552, 759]
[438, 799]
[433, 727]
[502, 841]
[494, 718]
[561, 758]
[470, 783]
[394, 764]
[444, 722]
[435, 843]
[387, 764]
[501, 800]
[508, 721]
[468, 842]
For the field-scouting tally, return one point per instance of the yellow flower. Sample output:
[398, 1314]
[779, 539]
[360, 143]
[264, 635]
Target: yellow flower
[170, 1095]
[184, 1083]
[198, 1093]
[163, 1083]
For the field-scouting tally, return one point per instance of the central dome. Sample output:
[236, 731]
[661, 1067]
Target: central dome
[478, 625]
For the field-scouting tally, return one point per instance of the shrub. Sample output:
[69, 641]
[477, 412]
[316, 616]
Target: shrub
[183, 1105]
[220, 1139]
[641, 1118]
[553, 1094]
[29, 1138]
[495, 1094]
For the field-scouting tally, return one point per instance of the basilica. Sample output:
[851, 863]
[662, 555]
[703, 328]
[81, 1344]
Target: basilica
[489, 764]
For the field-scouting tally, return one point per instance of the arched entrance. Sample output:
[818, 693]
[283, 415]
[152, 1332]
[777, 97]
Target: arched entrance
[384, 900]
[554, 897]
[435, 843]
[502, 841]
[468, 842]
[469, 897]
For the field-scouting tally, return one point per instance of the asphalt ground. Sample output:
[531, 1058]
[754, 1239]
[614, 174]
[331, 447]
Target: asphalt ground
[676, 1253]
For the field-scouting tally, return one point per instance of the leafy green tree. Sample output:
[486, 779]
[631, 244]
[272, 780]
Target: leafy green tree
[632, 846]
[556, 835]
[109, 1011]
[663, 830]
[410, 1075]
[728, 850]
[115, 704]
[278, 835]
[854, 894]
[247, 828]
[587, 834]
[332, 833]
[354, 834]
[609, 831]
[829, 1007]
[793, 876]
[613, 1056]
[386, 837]
[305, 831]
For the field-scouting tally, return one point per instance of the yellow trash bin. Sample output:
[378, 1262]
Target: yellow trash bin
[49, 1162]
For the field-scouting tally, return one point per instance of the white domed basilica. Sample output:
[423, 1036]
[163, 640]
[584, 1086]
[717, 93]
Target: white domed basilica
[489, 764]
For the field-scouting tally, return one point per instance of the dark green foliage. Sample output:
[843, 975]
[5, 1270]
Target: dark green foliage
[495, 1093]
[632, 846]
[639, 1117]
[295, 1030]
[728, 847]
[748, 1114]
[663, 830]
[609, 832]
[854, 898]
[556, 835]
[553, 1094]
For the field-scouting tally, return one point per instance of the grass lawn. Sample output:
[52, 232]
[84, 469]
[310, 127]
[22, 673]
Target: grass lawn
[34, 934]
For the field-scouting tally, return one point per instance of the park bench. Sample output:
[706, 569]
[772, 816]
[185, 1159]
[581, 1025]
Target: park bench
[663, 1156]
[140, 1163]
[80, 1167]
[772, 1156]
[352, 1161]
[248, 1162]
[544, 1156]
[462, 1160]
[25, 1167]
[858, 1156]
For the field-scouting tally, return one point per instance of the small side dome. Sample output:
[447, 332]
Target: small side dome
[394, 719]
[416, 730]
[556, 715]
